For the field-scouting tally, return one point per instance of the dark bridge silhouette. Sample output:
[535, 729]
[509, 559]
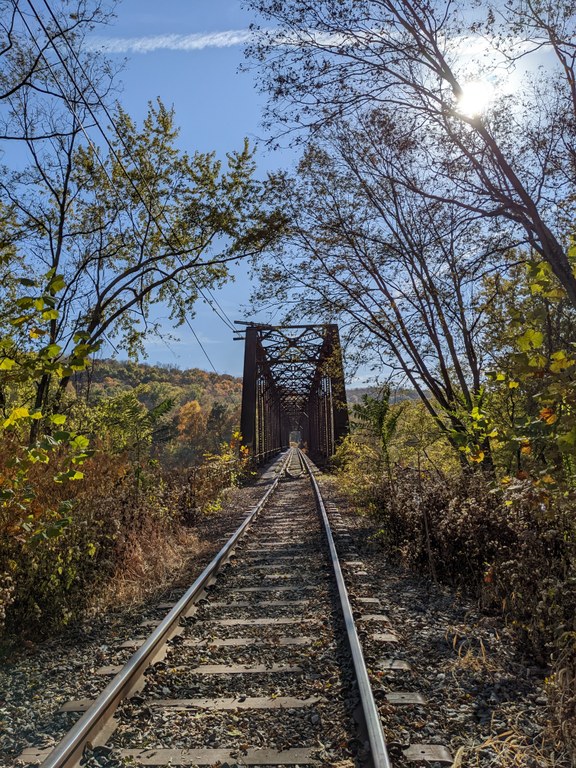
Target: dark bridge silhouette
[293, 389]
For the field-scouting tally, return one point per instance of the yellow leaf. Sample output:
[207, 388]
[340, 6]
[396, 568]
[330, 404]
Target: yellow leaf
[476, 456]
[513, 384]
[560, 365]
[16, 415]
[548, 415]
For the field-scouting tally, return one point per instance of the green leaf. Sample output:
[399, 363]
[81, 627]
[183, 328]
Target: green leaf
[529, 340]
[57, 283]
[51, 350]
[536, 361]
[18, 321]
[80, 442]
[27, 282]
[80, 458]
[50, 314]
[58, 418]
[36, 455]
[567, 442]
[26, 302]
[7, 364]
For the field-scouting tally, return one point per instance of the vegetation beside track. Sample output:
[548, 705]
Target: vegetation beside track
[507, 540]
[160, 448]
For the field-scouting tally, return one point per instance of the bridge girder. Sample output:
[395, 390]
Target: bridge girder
[293, 382]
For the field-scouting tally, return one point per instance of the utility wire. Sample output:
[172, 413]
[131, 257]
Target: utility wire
[91, 143]
[72, 108]
[200, 344]
[221, 313]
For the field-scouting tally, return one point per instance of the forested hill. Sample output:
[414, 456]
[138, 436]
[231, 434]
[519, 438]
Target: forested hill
[188, 412]
[109, 377]
[355, 394]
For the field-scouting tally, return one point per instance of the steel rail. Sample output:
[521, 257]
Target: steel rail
[70, 750]
[376, 737]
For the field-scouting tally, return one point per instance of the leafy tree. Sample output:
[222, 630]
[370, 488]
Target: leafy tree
[145, 224]
[129, 425]
[530, 329]
[62, 453]
[191, 422]
[401, 272]
[223, 420]
[407, 65]
[375, 414]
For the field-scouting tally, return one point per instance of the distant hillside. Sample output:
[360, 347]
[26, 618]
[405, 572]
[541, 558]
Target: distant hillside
[109, 377]
[354, 395]
[199, 410]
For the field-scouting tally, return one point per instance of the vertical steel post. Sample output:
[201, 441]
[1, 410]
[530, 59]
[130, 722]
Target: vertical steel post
[248, 413]
[339, 403]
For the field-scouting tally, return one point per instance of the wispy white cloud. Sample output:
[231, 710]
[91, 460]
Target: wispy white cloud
[192, 42]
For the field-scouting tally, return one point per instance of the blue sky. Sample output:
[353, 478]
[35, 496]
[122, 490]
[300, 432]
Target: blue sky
[188, 53]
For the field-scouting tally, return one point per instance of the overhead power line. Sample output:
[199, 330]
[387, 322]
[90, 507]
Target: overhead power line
[72, 108]
[212, 301]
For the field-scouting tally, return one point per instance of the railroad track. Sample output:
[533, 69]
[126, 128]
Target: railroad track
[259, 663]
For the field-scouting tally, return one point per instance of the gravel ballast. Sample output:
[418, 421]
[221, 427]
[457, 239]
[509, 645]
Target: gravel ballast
[480, 700]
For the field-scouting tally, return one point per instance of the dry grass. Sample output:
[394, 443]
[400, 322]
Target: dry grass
[561, 689]
[509, 749]
[148, 563]
[471, 654]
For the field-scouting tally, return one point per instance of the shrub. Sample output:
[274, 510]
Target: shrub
[511, 546]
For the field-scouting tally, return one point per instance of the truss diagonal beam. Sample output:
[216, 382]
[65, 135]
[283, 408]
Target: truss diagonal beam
[293, 384]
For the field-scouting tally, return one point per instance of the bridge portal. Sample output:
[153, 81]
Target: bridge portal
[293, 384]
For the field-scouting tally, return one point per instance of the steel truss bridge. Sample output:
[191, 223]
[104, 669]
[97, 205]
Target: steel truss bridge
[293, 390]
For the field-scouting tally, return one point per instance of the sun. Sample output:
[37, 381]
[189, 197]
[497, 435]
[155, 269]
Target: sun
[476, 96]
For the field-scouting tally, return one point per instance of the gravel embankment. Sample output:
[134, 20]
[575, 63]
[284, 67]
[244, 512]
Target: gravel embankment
[484, 701]
[38, 679]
